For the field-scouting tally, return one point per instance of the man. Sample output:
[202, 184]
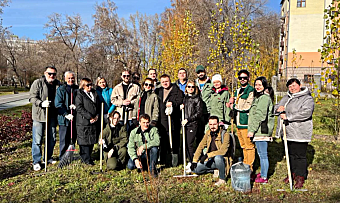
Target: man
[143, 144]
[124, 95]
[152, 73]
[217, 154]
[42, 92]
[241, 103]
[64, 103]
[182, 79]
[136, 78]
[171, 97]
[114, 142]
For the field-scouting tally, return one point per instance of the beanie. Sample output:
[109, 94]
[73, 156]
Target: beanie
[217, 77]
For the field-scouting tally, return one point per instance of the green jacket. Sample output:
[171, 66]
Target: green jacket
[242, 105]
[261, 118]
[218, 104]
[135, 140]
[117, 139]
[205, 94]
[151, 106]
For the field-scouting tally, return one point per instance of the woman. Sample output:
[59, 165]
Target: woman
[88, 110]
[147, 103]
[192, 105]
[296, 109]
[218, 99]
[104, 94]
[261, 125]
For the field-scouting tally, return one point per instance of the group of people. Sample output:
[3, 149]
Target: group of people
[143, 122]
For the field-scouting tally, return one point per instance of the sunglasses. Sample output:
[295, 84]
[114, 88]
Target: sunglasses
[191, 86]
[126, 76]
[88, 85]
[51, 74]
[243, 78]
[136, 78]
[148, 85]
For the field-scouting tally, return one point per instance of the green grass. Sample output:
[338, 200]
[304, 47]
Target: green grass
[19, 183]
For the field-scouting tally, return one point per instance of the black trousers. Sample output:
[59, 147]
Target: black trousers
[65, 138]
[85, 153]
[298, 158]
[190, 134]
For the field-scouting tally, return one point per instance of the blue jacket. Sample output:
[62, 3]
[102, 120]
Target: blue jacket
[62, 103]
[105, 96]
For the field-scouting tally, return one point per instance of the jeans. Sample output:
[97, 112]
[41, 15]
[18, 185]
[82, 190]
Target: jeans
[38, 135]
[216, 162]
[263, 154]
[153, 155]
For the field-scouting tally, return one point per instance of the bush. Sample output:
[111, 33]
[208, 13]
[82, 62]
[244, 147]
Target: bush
[14, 128]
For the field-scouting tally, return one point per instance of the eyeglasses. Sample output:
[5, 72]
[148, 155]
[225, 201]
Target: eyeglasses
[88, 85]
[148, 85]
[243, 78]
[191, 86]
[126, 76]
[136, 78]
[51, 74]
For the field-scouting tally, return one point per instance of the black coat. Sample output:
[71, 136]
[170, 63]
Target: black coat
[86, 109]
[193, 108]
[176, 97]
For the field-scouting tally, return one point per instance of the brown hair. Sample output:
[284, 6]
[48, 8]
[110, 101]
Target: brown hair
[196, 88]
[101, 78]
[84, 82]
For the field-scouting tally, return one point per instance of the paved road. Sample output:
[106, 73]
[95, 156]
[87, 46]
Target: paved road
[13, 100]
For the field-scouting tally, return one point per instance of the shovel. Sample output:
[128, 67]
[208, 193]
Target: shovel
[46, 131]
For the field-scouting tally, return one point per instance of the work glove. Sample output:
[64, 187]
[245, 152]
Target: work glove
[45, 104]
[72, 106]
[203, 158]
[168, 110]
[193, 166]
[69, 117]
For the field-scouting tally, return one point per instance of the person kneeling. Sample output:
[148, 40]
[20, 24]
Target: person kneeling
[114, 142]
[217, 155]
[143, 144]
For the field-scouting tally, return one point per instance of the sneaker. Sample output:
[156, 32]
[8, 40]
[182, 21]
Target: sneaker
[50, 161]
[261, 180]
[220, 182]
[36, 167]
[188, 170]
[216, 173]
[188, 166]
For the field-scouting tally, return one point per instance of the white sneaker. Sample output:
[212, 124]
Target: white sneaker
[220, 182]
[188, 166]
[50, 161]
[36, 167]
[188, 170]
[216, 173]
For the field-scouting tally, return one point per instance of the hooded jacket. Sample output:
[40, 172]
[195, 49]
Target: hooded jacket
[299, 109]
[218, 102]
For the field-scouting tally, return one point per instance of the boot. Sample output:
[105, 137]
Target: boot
[174, 160]
[286, 180]
[300, 180]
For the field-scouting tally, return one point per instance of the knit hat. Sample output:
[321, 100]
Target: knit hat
[217, 77]
[199, 68]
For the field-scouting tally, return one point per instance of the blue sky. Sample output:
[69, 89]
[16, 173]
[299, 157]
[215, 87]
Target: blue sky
[27, 17]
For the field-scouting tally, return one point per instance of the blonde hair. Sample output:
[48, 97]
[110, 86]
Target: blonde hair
[101, 78]
[84, 82]
[196, 88]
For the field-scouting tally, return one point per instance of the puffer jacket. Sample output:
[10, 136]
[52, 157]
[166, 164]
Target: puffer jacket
[223, 149]
[299, 109]
[104, 95]
[38, 94]
[117, 98]
[193, 108]
[116, 139]
[135, 140]
[242, 106]
[218, 102]
[261, 119]
[87, 109]
[63, 101]
[151, 106]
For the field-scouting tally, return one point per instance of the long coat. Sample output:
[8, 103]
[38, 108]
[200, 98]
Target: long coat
[87, 109]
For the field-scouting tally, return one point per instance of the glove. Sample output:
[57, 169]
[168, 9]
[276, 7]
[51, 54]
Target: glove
[135, 122]
[69, 117]
[168, 110]
[45, 104]
[72, 106]
[203, 158]
[193, 166]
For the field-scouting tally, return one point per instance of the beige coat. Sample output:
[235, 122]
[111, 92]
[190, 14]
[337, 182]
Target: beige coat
[117, 98]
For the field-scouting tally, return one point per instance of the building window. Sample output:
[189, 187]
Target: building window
[308, 78]
[301, 3]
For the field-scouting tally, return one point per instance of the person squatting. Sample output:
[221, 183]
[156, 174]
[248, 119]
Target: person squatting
[142, 122]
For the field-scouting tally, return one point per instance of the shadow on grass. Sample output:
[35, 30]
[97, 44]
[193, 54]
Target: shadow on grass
[15, 168]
